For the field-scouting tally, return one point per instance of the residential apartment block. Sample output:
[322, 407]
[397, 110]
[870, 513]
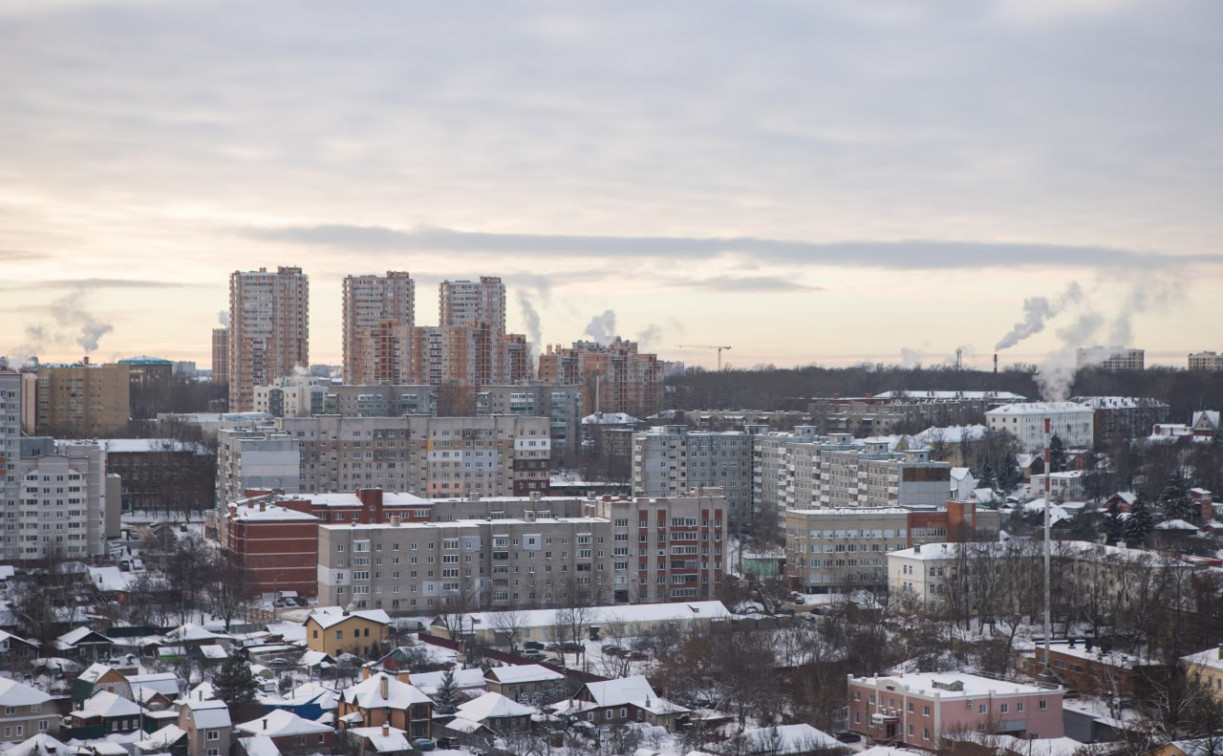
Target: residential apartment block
[1111, 358]
[838, 550]
[379, 314]
[220, 355]
[292, 396]
[1209, 361]
[469, 303]
[430, 456]
[532, 552]
[1123, 416]
[268, 330]
[62, 506]
[670, 459]
[1072, 422]
[76, 401]
[614, 377]
[10, 444]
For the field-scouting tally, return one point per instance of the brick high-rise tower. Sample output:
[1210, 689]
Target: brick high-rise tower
[379, 313]
[269, 330]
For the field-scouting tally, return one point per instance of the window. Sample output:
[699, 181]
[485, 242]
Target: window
[1043, 705]
[214, 735]
[1004, 708]
[339, 635]
[925, 710]
[981, 709]
[910, 706]
[1019, 706]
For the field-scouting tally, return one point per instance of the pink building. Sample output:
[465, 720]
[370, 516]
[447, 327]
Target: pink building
[919, 709]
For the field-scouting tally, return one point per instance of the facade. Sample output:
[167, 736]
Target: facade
[10, 447]
[671, 459]
[1111, 359]
[1123, 416]
[79, 401]
[208, 726]
[1207, 668]
[151, 381]
[469, 303]
[333, 630]
[1208, 361]
[269, 330]
[62, 502]
[920, 709]
[842, 550]
[292, 397]
[614, 377]
[1072, 422]
[25, 712]
[220, 355]
[161, 475]
[387, 702]
[379, 314]
[254, 460]
[531, 552]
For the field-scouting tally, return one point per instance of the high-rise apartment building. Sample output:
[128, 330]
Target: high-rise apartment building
[269, 330]
[10, 438]
[62, 504]
[220, 355]
[615, 377]
[84, 400]
[470, 303]
[379, 314]
[670, 459]
[1111, 359]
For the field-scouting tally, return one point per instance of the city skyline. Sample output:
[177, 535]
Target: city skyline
[818, 184]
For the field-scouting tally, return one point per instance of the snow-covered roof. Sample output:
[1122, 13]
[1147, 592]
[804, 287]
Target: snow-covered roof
[951, 434]
[41, 744]
[493, 706]
[612, 613]
[147, 445]
[349, 499]
[464, 679]
[957, 685]
[107, 704]
[524, 673]
[259, 745]
[1177, 524]
[267, 513]
[280, 723]
[291, 632]
[786, 739]
[111, 579]
[462, 724]
[394, 741]
[1025, 409]
[1117, 402]
[368, 694]
[193, 633]
[73, 637]
[1006, 396]
[329, 616]
[162, 739]
[13, 693]
[610, 418]
[621, 690]
[214, 652]
[210, 713]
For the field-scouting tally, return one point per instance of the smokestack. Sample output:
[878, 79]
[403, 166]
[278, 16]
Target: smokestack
[995, 363]
[1048, 553]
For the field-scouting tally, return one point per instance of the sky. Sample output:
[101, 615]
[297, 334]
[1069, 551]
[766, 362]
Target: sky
[804, 182]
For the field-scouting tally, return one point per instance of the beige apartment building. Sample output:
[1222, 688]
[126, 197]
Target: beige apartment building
[83, 400]
[529, 553]
[469, 303]
[1208, 361]
[269, 330]
[614, 377]
[220, 355]
[379, 314]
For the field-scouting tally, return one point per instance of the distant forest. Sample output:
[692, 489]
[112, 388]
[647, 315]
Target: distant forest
[792, 389]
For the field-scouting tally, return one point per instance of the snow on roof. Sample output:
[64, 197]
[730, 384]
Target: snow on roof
[13, 693]
[349, 499]
[162, 739]
[73, 637]
[280, 723]
[110, 579]
[464, 725]
[1038, 408]
[147, 445]
[1117, 402]
[613, 613]
[41, 744]
[261, 512]
[193, 633]
[165, 683]
[610, 418]
[368, 694]
[107, 704]
[93, 672]
[889, 751]
[1176, 524]
[7, 571]
[209, 713]
[842, 511]
[936, 394]
[464, 679]
[395, 741]
[259, 745]
[214, 652]
[292, 632]
[523, 673]
[329, 616]
[957, 685]
[622, 690]
[951, 434]
[785, 739]
[493, 706]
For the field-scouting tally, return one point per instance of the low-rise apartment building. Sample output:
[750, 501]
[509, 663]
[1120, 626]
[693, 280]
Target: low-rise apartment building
[1073, 423]
[920, 709]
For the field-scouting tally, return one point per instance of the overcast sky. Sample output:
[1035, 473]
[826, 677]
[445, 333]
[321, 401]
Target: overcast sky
[802, 181]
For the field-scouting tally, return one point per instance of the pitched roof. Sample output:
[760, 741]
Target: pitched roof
[13, 693]
[210, 714]
[493, 706]
[280, 723]
[785, 739]
[621, 690]
[524, 673]
[107, 704]
[329, 616]
[399, 695]
[41, 744]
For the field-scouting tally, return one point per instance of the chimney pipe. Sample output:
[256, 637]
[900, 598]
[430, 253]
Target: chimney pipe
[384, 687]
[995, 363]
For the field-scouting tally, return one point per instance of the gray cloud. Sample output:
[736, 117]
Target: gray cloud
[106, 283]
[916, 254]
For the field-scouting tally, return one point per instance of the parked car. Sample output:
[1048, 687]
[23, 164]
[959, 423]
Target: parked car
[424, 744]
[845, 736]
[533, 646]
[611, 649]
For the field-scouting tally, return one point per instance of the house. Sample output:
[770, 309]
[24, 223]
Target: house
[921, 709]
[384, 740]
[789, 740]
[25, 711]
[383, 699]
[1207, 668]
[467, 681]
[290, 733]
[335, 631]
[16, 651]
[498, 713]
[104, 713]
[526, 682]
[98, 677]
[208, 726]
[41, 744]
[309, 701]
[84, 644]
[170, 739]
[620, 701]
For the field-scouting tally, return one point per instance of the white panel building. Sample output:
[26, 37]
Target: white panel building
[1071, 422]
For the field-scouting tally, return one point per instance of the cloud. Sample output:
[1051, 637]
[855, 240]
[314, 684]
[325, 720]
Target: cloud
[745, 284]
[914, 254]
[106, 283]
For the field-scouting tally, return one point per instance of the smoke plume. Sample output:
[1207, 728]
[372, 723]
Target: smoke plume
[1055, 375]
[530, 316]
[223, 318]
[1037, 311]
[602, 328]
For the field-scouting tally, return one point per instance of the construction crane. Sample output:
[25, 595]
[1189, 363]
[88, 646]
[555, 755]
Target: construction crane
[706, 346]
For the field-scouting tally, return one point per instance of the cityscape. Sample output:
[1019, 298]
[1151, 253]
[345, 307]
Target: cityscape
[806, 379]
